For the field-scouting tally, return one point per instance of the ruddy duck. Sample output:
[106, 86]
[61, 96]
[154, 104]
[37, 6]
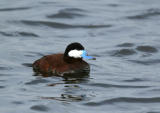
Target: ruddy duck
[59, 64]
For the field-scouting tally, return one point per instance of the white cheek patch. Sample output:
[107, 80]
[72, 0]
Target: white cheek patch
[75, 53]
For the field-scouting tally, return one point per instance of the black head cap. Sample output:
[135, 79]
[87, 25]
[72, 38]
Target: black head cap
[73, 46]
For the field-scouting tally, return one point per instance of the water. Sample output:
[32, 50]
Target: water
[122, 35]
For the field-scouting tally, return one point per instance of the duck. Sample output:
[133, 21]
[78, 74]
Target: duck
[60, 64]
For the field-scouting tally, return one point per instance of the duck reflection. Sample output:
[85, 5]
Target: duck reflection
[71, 88]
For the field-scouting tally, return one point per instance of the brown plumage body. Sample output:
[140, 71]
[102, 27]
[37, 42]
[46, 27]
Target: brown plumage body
[57, 64]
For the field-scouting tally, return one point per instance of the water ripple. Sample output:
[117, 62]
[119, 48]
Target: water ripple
[24, 34]
[40, 108]
[17, 102]
[126, 100]
[149, 49]
[147, 14]
[15, 9]
[1, 87]
[127, 44]
[68, 13]
[62, 25]
[115, 86]
[37, 81]
[30, 53]
[134, 80]
[153, 112]
[5, 68]
[113, 5]
[146, 62]
[27, 64]
[123, 52]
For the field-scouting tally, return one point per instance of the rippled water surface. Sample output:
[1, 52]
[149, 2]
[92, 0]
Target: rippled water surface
[122, 34]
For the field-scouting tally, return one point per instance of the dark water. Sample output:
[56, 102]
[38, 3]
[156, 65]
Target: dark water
[122, 34]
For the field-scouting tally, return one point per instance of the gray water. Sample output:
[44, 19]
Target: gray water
[122, 34]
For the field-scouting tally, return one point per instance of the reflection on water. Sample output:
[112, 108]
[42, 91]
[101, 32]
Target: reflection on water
[122, 35]
[67, 98]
